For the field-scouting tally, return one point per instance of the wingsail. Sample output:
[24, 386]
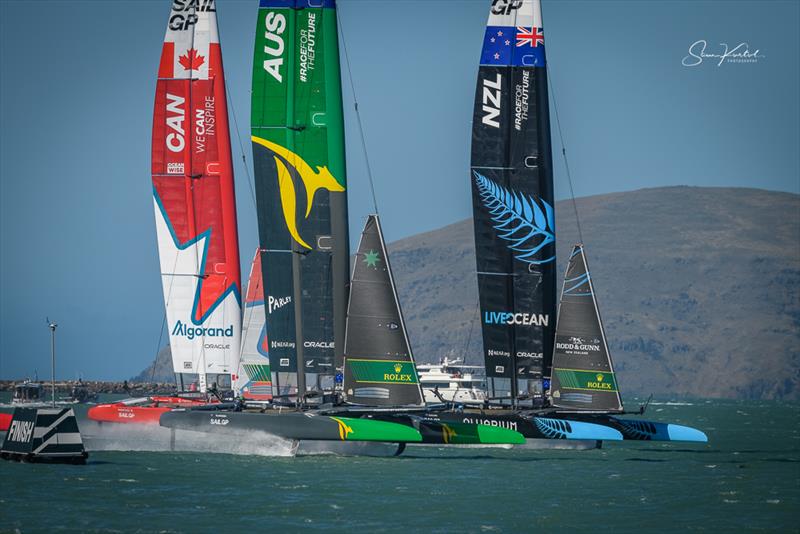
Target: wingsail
[512, 192]
[298, 153]
[254, 377]
[193, 194]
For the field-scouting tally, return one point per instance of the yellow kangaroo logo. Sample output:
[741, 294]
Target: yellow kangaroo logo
[447, 433]
[312, 180]
[344, 429]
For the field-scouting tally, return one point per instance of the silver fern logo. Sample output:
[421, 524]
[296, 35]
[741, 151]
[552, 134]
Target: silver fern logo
[518, 219]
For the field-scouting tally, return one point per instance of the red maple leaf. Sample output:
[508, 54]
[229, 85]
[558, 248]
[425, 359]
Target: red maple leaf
[191, 60]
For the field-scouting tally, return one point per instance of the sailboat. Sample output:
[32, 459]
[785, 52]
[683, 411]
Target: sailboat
[300, 185]
[348, 353]
[537, 364]
[193, 196]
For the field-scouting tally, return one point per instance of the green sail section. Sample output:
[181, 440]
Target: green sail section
[299, 160]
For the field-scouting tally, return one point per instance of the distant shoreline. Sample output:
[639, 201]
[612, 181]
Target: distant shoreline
[100, 386]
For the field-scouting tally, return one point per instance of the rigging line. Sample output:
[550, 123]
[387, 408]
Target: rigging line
[160, 337]
[564, 155]
[250, 186]
[358, 114]
[471, 327]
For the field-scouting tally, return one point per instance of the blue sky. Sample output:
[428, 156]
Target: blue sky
[77, 81]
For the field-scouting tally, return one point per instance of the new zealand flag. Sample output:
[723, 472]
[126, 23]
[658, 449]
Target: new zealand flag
[517, 46]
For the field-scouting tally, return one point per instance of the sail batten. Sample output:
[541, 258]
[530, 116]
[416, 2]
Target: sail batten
[512, 191]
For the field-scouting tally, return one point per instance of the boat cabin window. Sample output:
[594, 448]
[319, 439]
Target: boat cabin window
[223, 380]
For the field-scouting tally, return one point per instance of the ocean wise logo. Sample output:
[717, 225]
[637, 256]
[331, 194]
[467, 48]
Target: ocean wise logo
[519, 219]
[312, 181]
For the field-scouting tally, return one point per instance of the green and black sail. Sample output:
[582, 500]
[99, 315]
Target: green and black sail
[379, 368]
[298, 155]
[512, 192]
[583, 377]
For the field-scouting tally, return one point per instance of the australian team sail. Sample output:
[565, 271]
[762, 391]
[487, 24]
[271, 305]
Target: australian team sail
[583, 377]
[254, 378]
[379, 368]
[512, 192]
[298, 153]
[194, 200]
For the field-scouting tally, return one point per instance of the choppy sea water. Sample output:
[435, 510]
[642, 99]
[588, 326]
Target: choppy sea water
[746, 478]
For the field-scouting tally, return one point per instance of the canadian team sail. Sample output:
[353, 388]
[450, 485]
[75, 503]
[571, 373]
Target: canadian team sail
[254, 379]
[193, 193]
[512, 192]
[379, 367]
[583, 377]
[298, 153]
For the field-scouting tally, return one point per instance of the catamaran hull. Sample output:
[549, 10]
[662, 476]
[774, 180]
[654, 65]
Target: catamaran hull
[110, 413]
[535, 427]
[442, 428]
[640, 430]
[293, 425]
[148, 413]
[5, 421]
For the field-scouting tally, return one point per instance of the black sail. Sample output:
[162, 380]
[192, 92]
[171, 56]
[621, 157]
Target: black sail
[512, 192]
[583, 377]
[379, 368]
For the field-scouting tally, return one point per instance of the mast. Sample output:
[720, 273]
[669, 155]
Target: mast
[194, 200]
[512, 191]
[297, 131]
[379, 368]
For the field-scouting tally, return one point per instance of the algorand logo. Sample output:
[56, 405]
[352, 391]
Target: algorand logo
[312, 181]
[517, 319]
[191, 332]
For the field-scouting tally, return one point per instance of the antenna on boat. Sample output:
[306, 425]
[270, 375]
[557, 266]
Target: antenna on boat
[644, 406]
[52, 325]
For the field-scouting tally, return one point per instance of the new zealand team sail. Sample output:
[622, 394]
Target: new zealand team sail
[583, 377]
[379, 367]
[298, 153]
[193, 193]
[512, 192]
